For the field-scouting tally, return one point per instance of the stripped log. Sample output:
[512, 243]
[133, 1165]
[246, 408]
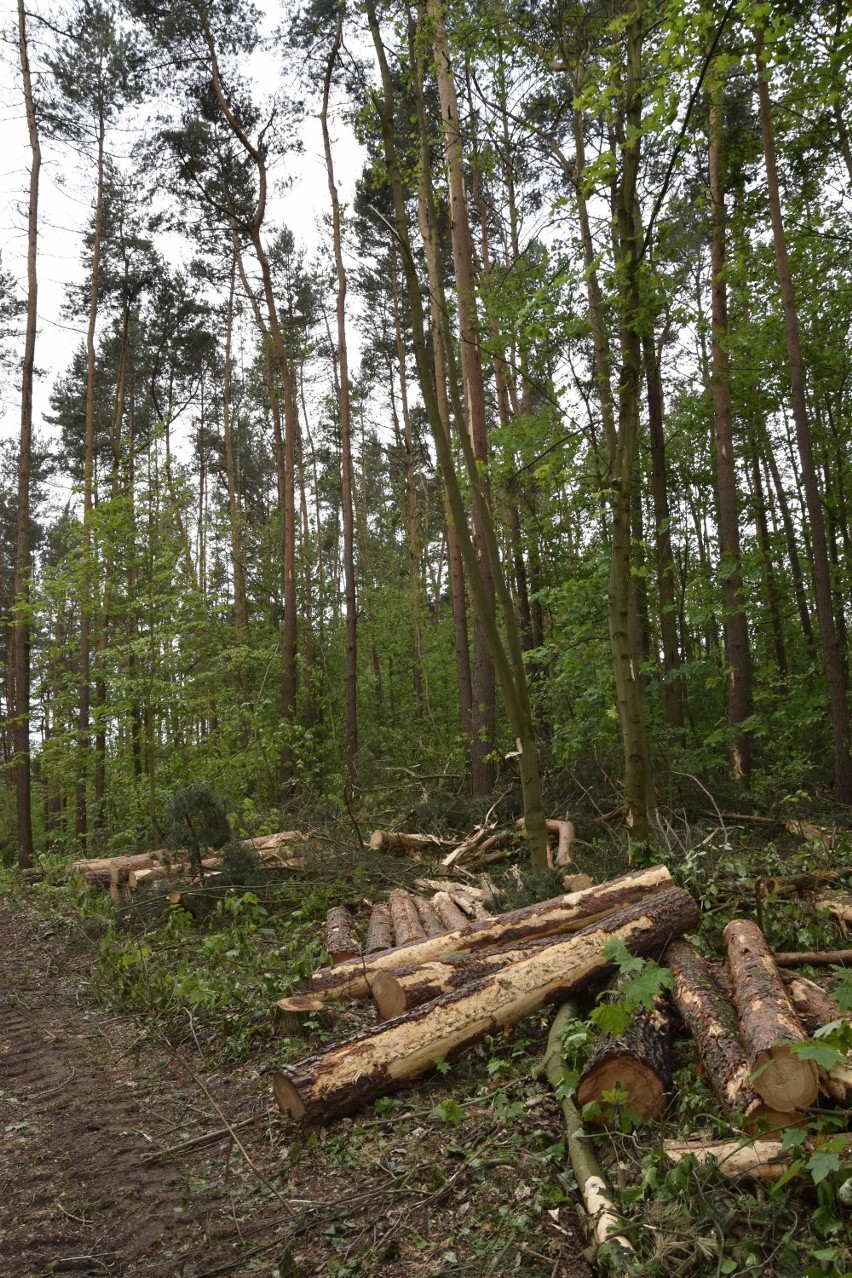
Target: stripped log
[605, 1224]
[397, 843]
[120, 866]
[562, 914]
[432, 925]
[839, 906]
[469, 905]
[341, 935]
[407, 927]
[565, 836]
[448, 912]
[637, 1062]
[344, 1077]
[710, 1017]
[398, 991]
[761, 1160]
[770, 1027]
[486, 892]
[379, 936]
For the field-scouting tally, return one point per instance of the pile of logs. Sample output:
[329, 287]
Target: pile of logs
[442, 973]
[446, 991]
[483, 844]
[122, 874]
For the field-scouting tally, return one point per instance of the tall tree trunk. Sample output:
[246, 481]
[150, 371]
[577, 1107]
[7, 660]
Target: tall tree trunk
[291, 422]
[737, 651]
[621, 597]
[19, 705]
[768, 564]
[482, 771]
[672, 681]
[351, 676]
[838, 708]
[508, 659]
[238, 567]
[84, 728]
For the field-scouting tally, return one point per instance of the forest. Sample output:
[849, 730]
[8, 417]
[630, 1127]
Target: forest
[532, 478]
[425, 587]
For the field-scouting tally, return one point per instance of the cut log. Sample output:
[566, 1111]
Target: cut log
[449, 913]
[637, 1062]
[813, 1005]
[816, 1008]
[604, 1222]
[290, 1014]
[576, 882]
[407, 927]
[761, 1160]
[473, 843]
[398, 991]
[486, 893]
[432, 925]
[814, 958]
[140, 878]
[565, 836]
[768, 1023]
[840, 907]
[399, 844]
[469, 905]
[379, 935]
[711, 1019]
[120, 866]
[344, 1077]
[560, 915]
[341, 935]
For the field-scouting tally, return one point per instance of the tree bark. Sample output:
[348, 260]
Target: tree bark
[343, 1078]
[637, 1062]
[379, 934]
[341, 936]
[405, 918]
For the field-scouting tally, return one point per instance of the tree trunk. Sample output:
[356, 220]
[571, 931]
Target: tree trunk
[19, 703]
[737, 651]
[379, 934]
[832, 657]
[482, 770]
[561, 914]
[349, 1075]
[238, 569]
[405, 918]
[351, 675]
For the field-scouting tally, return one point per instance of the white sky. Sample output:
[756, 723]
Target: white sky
[65, 207]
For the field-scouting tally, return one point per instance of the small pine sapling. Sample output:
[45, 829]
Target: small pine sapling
[197, 819]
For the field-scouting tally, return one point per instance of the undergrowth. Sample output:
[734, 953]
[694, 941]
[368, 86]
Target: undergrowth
[479, 1142]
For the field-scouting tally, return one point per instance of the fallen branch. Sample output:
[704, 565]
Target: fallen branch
[605, 1224]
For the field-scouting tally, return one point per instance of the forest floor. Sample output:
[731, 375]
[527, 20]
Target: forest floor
[123, 1155]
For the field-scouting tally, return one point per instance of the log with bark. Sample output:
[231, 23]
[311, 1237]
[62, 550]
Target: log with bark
[405, 918]
[769, 1025]
[432, 925]
[815, 1009]
[341, 935]
[711, 1019]
[559, 915]
[813, 958]
[637, 1062]
[469, 905]
[379, 938]
[344, 1077]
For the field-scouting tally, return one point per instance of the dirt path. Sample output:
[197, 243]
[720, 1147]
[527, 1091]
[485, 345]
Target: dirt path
[115, 1161]
[83, 1107]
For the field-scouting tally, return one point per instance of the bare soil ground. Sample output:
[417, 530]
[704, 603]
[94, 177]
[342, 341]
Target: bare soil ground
[121, 1156]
